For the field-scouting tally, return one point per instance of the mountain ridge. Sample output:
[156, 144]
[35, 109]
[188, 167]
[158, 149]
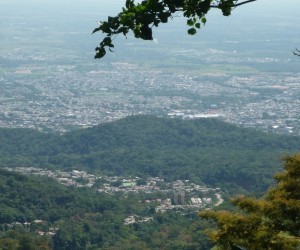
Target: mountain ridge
[206, 150]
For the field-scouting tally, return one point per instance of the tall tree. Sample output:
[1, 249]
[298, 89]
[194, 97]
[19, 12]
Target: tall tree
[142, 17]
[272, 222]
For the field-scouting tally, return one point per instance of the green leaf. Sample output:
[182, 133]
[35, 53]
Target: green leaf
[187, 13]
[105, 28]
[110, 20]
[100, 52]
[96, 30]
[192, 31]
[146, 33]
[164, 17]
[190, 22]
[129, 4]
[107, 41]
[140, 8]
[198, 25]
[203, 20]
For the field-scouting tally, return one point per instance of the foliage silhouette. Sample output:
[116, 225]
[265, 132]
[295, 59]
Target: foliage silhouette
[142, 17]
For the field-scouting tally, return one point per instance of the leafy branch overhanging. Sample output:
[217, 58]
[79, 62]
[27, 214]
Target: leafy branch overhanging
[142, 17]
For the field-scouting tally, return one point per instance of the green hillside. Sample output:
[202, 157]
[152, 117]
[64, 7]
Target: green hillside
[26, 198]
[79, 218]
[206, 150]
[32, 204]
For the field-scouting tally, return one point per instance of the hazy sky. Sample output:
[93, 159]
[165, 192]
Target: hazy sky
[270, 18]
[99, 9]
[109, 7]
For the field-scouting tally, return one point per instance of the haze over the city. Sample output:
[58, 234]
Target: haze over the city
[239, 68]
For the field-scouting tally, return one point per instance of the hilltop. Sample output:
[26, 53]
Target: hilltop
[207, 150]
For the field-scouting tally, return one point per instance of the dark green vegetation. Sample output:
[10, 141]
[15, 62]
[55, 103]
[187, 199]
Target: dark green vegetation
[26, 198]
[205, 150]
[141, 17]
[84, 219]
[271, 222]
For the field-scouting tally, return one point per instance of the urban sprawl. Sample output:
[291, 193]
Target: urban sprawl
[63, 97]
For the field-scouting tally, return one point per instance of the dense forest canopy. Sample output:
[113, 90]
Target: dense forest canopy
[271, 222]
[208, 150]
[39, 213]
[30, 205]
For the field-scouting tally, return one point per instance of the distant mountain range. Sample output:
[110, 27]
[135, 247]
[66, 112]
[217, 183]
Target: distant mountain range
[207, 150]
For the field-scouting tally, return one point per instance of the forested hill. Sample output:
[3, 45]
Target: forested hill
[205, 149]
[153, 132]
[26, 198]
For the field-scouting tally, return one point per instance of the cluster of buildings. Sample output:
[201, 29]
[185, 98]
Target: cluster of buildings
[136, 219]
[63, 97]
[193, 204]
[40, 227]
[67, 178]
[189, 196]
[179, 194]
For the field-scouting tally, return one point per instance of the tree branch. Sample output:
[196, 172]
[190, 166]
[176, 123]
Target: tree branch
[297, 52]
[236, 4]
[141, 17]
